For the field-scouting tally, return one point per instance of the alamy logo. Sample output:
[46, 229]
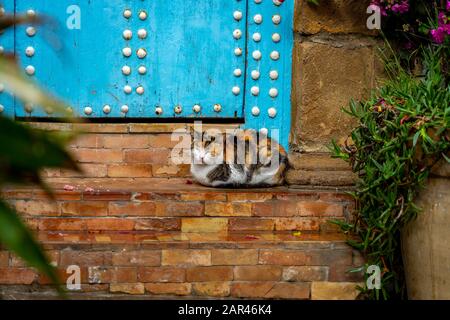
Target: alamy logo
[374, 20]
[73, 282]
[374, 280]
[73, 22]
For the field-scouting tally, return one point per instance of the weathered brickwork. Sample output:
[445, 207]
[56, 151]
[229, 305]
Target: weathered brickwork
[188, 209]
[175, 264]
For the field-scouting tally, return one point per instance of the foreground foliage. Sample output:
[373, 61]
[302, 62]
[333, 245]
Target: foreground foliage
[403, 130]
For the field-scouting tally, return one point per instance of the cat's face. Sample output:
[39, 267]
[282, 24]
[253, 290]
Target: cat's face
[207, 148]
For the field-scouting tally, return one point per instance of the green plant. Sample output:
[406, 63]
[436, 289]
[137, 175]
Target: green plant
[403, 130]
[24, 153]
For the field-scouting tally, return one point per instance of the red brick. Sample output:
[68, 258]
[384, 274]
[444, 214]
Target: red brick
[206, 196]
[37, 208]
[204, 225]
[58, 194]
[305, 273]
[137, 258]
[88, 170]
[98, 155]
[283, 257]
[283, 290]
[228, 209]
[130, 170]
[53, 256]
[4, 258]
[212, 289]
[300, 224]
[17, 276]
[129, 288]
[164, 171]
[88, 141]
[153, 156]
[205, 274]
[126, 141]
[109, 224]
[273, 290]
[99, 274]
[186, 258]
[17, 194]
[183, 209]
[161, 274]
[250, 224]
[60, 224]
[319, 209]
[83, 258]
[158, 224]
[234, 257]
[178, 289]
[249, 196]
[104, 195]
[165, 140]
[85, 208]
[132, 208]
[257, 273]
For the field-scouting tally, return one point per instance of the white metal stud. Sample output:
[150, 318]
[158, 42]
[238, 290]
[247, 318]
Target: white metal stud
[237, 72]
[237, 15]
[256, 37]
[178, 109]
[142, 33]
[273, 74]
[277, 2]
[255, 74]
[31, 13]
[276, 37]
[236, 90]
[126, 70]
[196, 108]
[127, 34]
[258, 1]
[2, 49]
[29, 51]
[124, 108]
[158, 111]
[142, 70]
[127, 13]
[238, 52]
[255, 90]
[258, 18]
[30, 70]
[2, 108]
[237, 34]
[143, 15]
[127, 89]
[273, 92]
[140, 90]
[217, 107]
[272, 112]
[127, 52]
[275, 55]
[141, 53]
[276, 19]
[264, 131]
[257, 55]
[106, 109]
[255, 111]
[31, 31]
[88, 111]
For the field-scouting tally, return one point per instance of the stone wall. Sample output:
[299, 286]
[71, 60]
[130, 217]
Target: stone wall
[334, 60]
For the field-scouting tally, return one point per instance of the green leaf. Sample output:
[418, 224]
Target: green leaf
[17, 238]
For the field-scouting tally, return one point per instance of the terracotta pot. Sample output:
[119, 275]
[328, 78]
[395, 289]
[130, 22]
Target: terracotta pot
[426, 241]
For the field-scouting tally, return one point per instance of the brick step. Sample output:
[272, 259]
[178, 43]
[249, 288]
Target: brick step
[148, 265]
[175, 205]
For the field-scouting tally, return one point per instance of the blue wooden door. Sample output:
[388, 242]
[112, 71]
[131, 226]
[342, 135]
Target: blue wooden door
[148, 58]
[109, 59]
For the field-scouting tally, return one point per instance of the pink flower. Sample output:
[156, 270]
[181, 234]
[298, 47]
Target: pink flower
[438, 35]
[448, 5]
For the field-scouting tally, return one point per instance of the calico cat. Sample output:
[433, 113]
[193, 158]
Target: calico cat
[241, 158]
